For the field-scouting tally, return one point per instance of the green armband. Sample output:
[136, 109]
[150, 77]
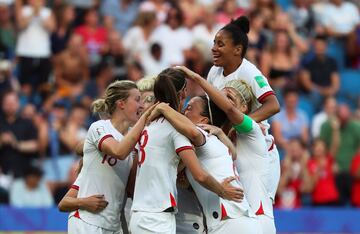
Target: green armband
[246, 125]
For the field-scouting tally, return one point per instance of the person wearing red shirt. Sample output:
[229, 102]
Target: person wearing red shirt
[93, 35]
[355, 173]
[321, 169]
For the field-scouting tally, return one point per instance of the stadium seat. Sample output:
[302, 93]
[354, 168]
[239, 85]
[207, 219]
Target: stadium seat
[349, 87]
[306, 105]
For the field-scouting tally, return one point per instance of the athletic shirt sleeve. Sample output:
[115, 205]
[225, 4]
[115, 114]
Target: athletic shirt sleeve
[211, 75]
[181, 143]
[97, 135]
[260, 85]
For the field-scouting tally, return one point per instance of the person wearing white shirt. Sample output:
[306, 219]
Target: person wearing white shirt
[30, 191]
[160, 149]
[253, 159]
[321, 117]
[106, 160]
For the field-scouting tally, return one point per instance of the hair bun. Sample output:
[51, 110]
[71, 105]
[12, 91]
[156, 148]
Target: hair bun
[243, 23]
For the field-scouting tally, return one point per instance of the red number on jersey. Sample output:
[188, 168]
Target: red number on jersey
[111, 160]
[142, 143]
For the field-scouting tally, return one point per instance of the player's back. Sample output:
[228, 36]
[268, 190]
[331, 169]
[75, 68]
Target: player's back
[214, 157]
[155, 187]
[103, 174]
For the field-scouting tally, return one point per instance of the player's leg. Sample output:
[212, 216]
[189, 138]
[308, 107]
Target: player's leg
[267, 224]
[242, 224]
[149, 223]
[189, 219]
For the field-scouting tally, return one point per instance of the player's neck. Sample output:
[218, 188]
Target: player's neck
[231, 67]
[120, 124]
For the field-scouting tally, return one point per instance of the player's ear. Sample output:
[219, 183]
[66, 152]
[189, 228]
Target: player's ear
[238, 50]
[120, 104]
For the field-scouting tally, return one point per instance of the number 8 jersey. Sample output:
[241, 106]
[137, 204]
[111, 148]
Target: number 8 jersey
[155, 186]
[103, 174]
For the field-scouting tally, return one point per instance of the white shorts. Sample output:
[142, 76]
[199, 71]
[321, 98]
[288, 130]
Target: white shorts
[242, 224]
[274, 172]
[149, 222]
[78, 226]
[189, 223]
[267, 224]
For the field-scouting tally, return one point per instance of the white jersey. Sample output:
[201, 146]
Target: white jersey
[246, 72]
[215, 159]
[103, 174]
[155, 186]
[253, 165]
[260, 86]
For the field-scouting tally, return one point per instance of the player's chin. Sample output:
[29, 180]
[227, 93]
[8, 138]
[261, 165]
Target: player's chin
[217, 62]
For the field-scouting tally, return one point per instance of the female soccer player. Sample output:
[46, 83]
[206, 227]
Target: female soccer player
[229, 49]
[160, 149]
[253, 161]
[222, 216]
[106, 164]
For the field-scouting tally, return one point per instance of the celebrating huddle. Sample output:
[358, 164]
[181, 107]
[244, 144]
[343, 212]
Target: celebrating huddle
[150, 152]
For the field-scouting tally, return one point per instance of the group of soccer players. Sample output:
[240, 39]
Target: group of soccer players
[212, 168]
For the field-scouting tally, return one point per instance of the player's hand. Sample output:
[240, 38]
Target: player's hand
[190, 74]
[230, 192]
[212, 130]
[94, 204]
[232, 97]
[156, 112]
[148, 112]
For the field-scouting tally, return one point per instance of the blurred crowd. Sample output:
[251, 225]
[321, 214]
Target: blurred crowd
[57, 56]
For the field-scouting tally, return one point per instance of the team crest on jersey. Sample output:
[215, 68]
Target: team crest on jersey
[260, 81]
[100, 130]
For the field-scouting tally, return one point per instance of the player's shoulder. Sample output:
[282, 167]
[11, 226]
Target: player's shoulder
[248, 68]
[100, 124]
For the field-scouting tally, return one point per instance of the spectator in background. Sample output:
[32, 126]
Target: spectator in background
[353, 49]
[268, 9]
[160, 7]
[65, 16]
[123, 12]
[330, 107]
[137, 39]
[340, 18]
[303, 17]
[294, 180]
[81, 6]
[319, 78]
[349, 143]
[18, 137]
[193, 12]
[229, 10]
[206, 30]
[355, 173]
[7, 33]
[280, 62]
[71, 68]
[291, 122]
[30, 191]
[134, 71]
[154, 61]
[173, 37]
[113, 57]
[36, 23]
[257, 38]
[322, 170]
[93, 35]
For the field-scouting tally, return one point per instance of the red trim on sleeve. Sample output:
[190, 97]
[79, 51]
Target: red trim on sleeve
[75, 187]
[172, 201]
[260, 211]
[262, 97]
[272, 145]
[223, 212]
[178, 150]
[102, 140]
[77, 214]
